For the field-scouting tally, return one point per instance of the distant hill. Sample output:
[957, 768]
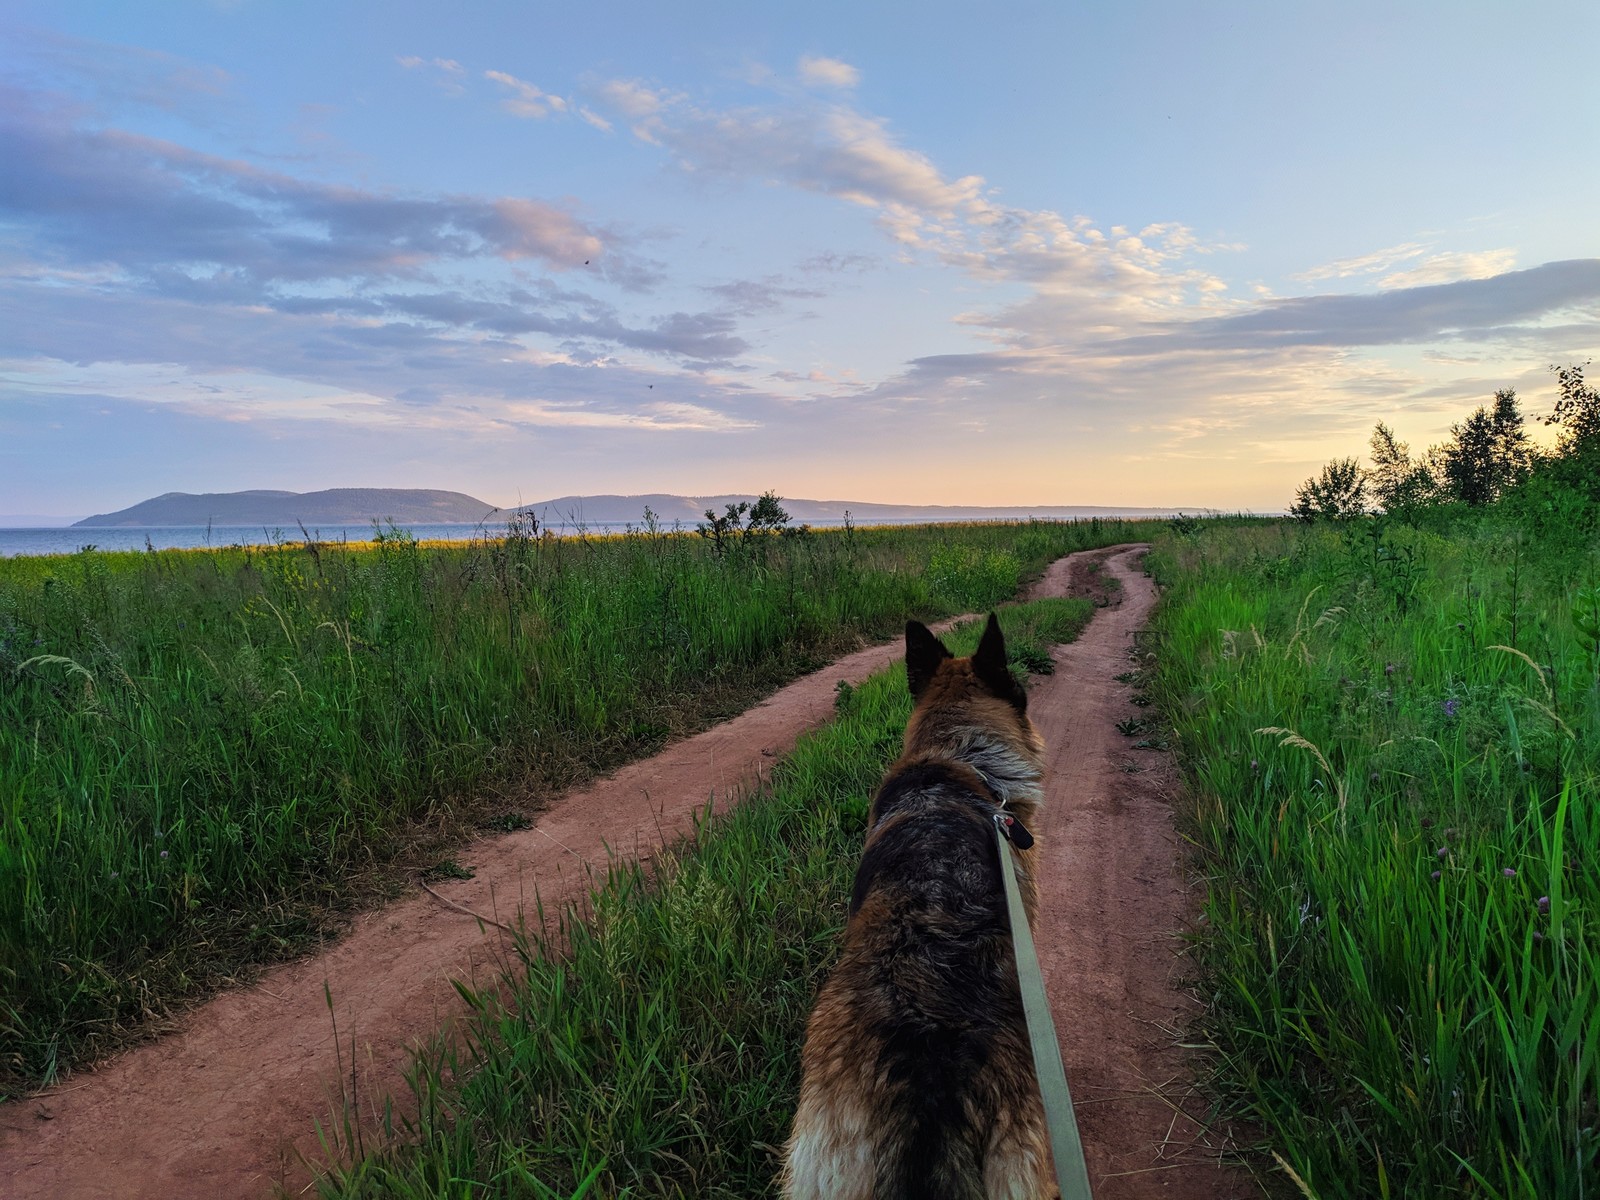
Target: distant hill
[284, 510]
[688, 510]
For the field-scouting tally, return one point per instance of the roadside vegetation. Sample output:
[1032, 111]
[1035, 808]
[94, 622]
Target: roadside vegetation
[205, 757]
[1391, 722]
[653, 1049]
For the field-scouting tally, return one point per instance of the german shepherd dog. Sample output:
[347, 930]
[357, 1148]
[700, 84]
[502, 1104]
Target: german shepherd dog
[918, 1080]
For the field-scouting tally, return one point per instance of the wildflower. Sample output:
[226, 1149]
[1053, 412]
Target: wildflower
[1451, 707]
[1388, 669]
[1255, 765]
[1436, 875]
[1537, 936]
[163, 854]
[1544, 906]
[1509, 872]
[1442, 851]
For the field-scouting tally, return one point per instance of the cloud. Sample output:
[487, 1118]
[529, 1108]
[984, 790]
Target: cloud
[526, 100]
[154, 209]
[835, 149]
[828, 72]
[633, 98]
[751, 296]
[422, 351]
[1446, 268]
[122, 76]
[445, 73]
[1467, 310]
[1365, 264]
[833, 263]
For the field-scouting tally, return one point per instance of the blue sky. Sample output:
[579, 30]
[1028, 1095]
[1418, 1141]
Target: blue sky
[1015, 254]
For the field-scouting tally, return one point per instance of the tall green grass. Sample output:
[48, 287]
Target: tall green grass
[1394, 744]
[653, 1050]
[200, 751]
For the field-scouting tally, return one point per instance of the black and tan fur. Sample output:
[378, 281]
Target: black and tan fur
[918, 1080]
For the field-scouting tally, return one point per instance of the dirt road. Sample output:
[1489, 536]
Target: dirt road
[225, 1106]
[1114, 902]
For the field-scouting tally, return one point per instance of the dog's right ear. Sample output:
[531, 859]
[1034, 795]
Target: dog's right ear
[924, 653]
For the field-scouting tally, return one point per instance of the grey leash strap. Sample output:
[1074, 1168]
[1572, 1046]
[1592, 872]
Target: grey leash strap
[1072, 1173]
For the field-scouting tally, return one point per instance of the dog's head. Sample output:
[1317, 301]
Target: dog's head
[973, 709]
[935, 674]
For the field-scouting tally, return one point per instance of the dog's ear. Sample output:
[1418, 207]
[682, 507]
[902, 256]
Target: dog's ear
[989, 665]
[924, 653]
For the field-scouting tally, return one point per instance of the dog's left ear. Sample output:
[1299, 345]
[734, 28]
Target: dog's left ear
[989, 665]
[924, 653]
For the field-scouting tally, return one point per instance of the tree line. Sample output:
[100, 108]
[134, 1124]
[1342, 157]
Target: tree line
[1487, 459]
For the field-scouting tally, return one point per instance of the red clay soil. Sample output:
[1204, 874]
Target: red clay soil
[1115, 900]
[226, 1106]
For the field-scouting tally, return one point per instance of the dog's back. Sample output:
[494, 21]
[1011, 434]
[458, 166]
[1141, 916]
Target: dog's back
[918, 1079]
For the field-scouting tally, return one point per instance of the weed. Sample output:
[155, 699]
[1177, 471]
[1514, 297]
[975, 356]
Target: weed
[1392, 810]
[654, 1051]
[207, 756]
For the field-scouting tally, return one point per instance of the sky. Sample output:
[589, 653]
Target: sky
[1129, 254]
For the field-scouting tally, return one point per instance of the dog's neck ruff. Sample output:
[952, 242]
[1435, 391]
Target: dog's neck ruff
[1012, 777]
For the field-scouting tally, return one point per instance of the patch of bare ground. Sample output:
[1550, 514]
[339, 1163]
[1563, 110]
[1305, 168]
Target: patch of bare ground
[226, 1105]
[1115, 902]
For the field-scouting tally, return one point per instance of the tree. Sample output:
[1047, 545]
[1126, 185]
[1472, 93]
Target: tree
[1398, 484]
[746, 521]
[1488, 453]
[1338, 494]
[1577, 413]
[1513, 452]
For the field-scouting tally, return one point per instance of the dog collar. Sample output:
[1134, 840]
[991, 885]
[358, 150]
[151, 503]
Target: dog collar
[1013, 830]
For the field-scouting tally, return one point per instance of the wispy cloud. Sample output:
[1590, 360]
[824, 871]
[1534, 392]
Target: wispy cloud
[1451, 266]
[446, 74]
[1467, 310]
[751, 296]
[828, 72]
[119, 76]
[156, 208]
[834, 148]
[526, 99]
[1364, 264]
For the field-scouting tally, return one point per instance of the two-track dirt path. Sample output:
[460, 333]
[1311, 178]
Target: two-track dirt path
[225, 1106]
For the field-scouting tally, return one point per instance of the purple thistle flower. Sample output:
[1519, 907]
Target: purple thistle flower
[163, 854]
[1509, 872]
[1451, 707]
[1544, 905]
[1388, 669]
[1436, 875]
[1442, 851]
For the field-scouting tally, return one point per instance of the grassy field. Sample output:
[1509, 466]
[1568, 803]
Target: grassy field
[206, 756]
[1393, 737]
[658, 1054]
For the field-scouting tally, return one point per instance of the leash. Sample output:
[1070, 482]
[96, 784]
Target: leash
[1072, 1173]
